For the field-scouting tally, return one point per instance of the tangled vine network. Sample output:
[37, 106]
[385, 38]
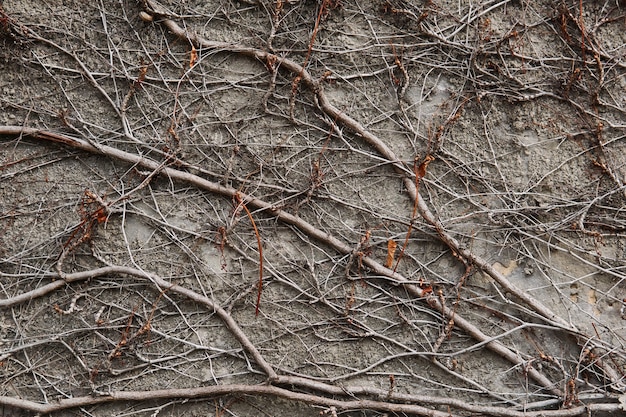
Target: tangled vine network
[329, 207]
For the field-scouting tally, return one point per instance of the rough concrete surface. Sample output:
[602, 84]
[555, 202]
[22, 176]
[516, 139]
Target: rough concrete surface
[304, 208]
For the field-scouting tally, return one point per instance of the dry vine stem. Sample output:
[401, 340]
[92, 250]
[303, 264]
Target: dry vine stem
[340, 117]
[335, 114]
[302, 225]
[242, 203]
[272, 391]
[335, 178]
[276, 391]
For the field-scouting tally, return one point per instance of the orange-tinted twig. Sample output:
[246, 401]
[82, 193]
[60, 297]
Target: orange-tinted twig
[242, 204]
[581, 23]
[146, 327]
[193, 57]
[221, 244]
[125, 337]
[401, 84]
[90, 217]
[391, 252]
[420, 172]
[323, 12]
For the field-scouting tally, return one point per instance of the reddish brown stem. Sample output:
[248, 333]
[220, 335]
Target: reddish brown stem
[241, 203]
